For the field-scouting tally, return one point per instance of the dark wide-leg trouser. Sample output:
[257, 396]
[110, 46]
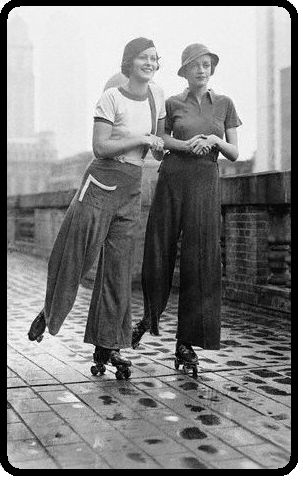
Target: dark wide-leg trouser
[186, 202]
[100, 222]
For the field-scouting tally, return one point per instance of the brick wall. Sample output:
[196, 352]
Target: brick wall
[246, 235]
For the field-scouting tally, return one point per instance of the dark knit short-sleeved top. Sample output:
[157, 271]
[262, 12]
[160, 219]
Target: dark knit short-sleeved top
[185, 117]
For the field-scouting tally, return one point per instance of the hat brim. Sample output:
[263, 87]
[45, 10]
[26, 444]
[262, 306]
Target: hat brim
[215, 61]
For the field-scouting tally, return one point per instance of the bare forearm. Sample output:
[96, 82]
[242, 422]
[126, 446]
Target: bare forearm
[174, 144]
[230, 151]
[110, 148]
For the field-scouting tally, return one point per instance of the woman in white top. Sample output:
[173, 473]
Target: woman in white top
[102, 218]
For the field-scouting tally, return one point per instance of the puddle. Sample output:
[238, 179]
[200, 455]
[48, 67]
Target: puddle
[209, 419]
[235, 364]
[189, 386]
[283, 381]
[116, 416]
[236, 389]
[252, 380]
[154, 384]
[153, 441]
[127, 391]
[148, 402]
[273, 391]
[194, 408]
[209, 449]
[136, 457]
[264, 373]
[193, 463]
[192, 433]
[107, 400]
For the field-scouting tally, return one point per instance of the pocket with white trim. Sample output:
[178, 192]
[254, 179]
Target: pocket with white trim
[95, 192]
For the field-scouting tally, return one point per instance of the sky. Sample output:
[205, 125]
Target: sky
[230, 31]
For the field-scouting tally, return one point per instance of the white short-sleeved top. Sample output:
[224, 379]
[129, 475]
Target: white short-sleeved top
[130, 115]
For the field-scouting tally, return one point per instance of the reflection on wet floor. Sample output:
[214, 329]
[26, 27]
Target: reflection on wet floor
[236, 414]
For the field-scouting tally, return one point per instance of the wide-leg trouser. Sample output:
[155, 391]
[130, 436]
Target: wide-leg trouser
[100, 222]
[186, 203]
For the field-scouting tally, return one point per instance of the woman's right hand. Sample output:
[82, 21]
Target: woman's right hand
[188, 144]
[200, 145]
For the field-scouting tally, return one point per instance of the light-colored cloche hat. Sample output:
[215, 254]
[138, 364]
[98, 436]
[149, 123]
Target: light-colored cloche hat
[192, 52]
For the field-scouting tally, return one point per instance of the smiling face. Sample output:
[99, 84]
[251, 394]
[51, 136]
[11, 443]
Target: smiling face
[198, 71]
[145, 65]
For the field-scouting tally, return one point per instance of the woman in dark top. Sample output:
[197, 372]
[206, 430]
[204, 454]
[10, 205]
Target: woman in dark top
[187, 203]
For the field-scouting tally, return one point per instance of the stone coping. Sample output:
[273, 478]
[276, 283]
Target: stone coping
[244, 189]
[260, 188]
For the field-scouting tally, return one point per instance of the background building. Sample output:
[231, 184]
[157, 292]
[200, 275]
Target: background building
[29, 162]
[62, 100]
[29, 154]
[20, 81]
[273, 89]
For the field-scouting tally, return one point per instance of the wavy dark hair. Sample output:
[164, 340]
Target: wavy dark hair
[127, 65]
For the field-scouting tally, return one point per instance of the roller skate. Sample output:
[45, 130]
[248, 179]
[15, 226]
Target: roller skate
[101, 357]
[122, 364]
[186, 356]
[37, 328]
[138, 331]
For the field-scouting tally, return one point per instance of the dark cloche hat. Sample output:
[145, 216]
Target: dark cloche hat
[192, 52]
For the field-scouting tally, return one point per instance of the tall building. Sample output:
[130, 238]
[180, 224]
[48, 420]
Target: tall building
[62, 87]
[20, 80]
[29, 154]
[273, 89]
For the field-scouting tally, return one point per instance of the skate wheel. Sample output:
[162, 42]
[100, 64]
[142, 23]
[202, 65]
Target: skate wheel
[177, 364]
[39, 338]
[195, 372]
[94, 370]
[127, 373]
[102, 370]
[119, 375]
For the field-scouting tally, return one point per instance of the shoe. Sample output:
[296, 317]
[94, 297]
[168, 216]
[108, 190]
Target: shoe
[37, 328]
[138, 331]
[185, 353]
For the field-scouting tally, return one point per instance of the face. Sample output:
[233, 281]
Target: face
[145, 65]
[198, 71]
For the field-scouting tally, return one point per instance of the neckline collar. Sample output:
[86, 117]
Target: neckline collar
[186, 93]
[131, 96]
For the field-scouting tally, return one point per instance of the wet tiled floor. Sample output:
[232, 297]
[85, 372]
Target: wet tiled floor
[235, 415]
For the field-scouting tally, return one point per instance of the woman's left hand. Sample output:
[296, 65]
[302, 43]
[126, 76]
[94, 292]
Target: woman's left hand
[204, 144]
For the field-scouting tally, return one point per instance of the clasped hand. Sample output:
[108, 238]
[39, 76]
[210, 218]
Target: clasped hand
[155, 143]
[201, 144]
